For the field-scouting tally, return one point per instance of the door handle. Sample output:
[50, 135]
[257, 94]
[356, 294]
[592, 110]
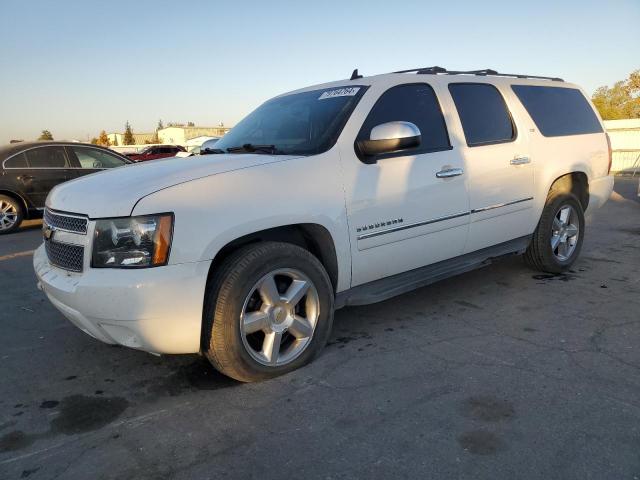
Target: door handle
[449, 172]
[26, 177]
[520, 160]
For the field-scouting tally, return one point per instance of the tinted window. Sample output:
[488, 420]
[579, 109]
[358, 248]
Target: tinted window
[47, 157]
[483, 113]
[415, 103]
[94, 158]
[558, 111]
[17, 161]
[306, 123]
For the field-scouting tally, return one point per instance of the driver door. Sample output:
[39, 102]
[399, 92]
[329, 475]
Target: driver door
[407, 208]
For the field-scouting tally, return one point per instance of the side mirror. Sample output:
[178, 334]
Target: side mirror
[389, 137]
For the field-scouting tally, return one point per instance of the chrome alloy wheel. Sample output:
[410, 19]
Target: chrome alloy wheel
[8, 215]
[565, 233]
[279, 317]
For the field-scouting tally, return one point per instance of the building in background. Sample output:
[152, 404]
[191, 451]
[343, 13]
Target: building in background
[139, 138]
[182, 134]
[625, 143]
[173, 135]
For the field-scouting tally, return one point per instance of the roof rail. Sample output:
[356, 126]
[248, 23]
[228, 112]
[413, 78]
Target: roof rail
[484, 72]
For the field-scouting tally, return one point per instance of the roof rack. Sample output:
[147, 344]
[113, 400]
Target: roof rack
[484, 72]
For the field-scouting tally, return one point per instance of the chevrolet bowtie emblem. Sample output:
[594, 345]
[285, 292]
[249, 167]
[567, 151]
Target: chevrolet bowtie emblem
[48, 232]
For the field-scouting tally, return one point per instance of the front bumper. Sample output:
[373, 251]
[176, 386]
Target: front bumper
[157, 310]
[599, 191]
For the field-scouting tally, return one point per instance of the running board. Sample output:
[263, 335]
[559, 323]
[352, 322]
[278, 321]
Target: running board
[385, 288]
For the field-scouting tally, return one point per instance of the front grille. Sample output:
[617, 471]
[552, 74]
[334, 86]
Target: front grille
[65, 222]
[64, 255]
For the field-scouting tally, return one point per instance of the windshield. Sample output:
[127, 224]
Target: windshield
[305, 123]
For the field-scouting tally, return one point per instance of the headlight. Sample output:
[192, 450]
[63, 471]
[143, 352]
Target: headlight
[132, 242]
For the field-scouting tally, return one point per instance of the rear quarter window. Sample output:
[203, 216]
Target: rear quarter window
[558, 111]
[17, 161]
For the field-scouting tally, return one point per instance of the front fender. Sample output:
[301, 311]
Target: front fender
[213, 211]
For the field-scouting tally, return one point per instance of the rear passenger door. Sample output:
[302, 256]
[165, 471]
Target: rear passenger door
[497, 163]
[47, 167]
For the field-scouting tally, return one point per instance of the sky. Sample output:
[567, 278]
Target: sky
[78, 67]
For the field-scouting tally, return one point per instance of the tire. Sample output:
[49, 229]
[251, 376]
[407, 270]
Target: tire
[541, 254]
[244, 316]
[11, 214]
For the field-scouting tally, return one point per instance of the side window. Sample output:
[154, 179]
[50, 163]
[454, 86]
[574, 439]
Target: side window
[17, 161]
[483, 113]
[94, 158]
[558, 111]
[416, 103]
[47, 157]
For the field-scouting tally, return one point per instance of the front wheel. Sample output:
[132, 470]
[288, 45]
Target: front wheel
[557, 241]
[268, 311]
[11, 214]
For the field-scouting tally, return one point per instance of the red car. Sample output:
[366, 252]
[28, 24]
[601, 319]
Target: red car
[156, 151]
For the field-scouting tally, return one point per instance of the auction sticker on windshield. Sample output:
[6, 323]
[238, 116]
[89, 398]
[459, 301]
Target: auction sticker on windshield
[339, 92]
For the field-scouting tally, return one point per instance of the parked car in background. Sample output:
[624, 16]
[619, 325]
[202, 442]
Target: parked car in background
[30, 170]
[155, 152]
[345, 193]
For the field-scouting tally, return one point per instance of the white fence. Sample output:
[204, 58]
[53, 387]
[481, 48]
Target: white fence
[625, 143]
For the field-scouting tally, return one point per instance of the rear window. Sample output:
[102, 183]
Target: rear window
[483, 113]
[558, 111]
[47, 157]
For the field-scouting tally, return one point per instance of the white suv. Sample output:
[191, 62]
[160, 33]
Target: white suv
[340, 194]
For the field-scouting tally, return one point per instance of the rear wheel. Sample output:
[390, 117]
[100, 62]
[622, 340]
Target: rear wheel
[557, 241]
[268, 311]
[11, 214]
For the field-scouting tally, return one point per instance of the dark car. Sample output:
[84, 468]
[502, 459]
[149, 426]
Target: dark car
[29, 170]
[156, 151]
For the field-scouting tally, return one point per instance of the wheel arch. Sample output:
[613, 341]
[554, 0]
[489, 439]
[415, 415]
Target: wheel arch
[576, 182]
[311, 236]
[19, 198]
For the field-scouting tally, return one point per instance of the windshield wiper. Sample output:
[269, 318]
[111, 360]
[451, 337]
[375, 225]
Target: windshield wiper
[208, 151]
[251, 148]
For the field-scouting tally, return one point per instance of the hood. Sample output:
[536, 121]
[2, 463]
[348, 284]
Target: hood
[114, 193]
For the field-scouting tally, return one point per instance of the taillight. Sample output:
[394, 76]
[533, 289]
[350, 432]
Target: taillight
[610, 153]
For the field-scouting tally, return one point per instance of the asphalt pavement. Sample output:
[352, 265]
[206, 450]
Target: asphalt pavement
[500, 373]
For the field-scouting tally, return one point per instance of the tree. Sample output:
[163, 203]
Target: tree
[156, 137]
[620, 101]
[128, 135]
[191, 124]
[45, 135]
[104, 139]
[94, 141]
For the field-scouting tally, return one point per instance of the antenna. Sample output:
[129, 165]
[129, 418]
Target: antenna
[355, 75]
